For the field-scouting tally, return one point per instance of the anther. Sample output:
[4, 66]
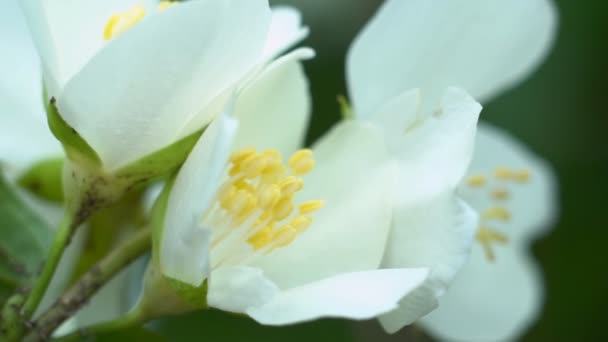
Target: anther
[497, 213]
[291, 185]
[522, 176]
[500, 194]
[242, 154]
[269, 197]
[284, 236]
[487, 237]
[163, 5]
[311, 206]
[301, 223]
[282, 209]
[121, 22]
[503, 173]
[262, 238]
[301, 162]
[476, 181]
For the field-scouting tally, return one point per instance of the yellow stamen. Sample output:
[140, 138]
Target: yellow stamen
[260, 192]
[477, 181]
[487, 237]
[522, 176]
[262, 238]
[500, 194]
[497, 213]
[270, 197]
[503, 173]
[311, 206]
[301, 223]
[163, 5]
[301, 162]
[120, 22]
[291, 185]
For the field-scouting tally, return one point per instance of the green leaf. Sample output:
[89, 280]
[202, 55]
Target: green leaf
[24, 241]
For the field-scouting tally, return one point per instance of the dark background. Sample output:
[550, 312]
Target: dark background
[560, 112]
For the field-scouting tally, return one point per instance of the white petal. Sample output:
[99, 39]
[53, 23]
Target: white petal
[435, 152]
[436, 234]
[274, 109]
[184, 249]
[490, 301]
[360, 295]
[69, 32]
[399, 115]
[353, 176]
[532, 204]
[25, 135]
[139, 93]
[483, 46]
[285, 31]
[236, 289]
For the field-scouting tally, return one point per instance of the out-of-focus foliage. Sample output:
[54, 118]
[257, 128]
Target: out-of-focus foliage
[24, 243]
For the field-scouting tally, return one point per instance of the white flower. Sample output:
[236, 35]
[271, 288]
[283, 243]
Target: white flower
[429, 46]
[246, 223]
[499, 293]
[133, 77]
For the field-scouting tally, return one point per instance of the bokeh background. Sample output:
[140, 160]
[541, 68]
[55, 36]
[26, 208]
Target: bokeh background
[560, 113]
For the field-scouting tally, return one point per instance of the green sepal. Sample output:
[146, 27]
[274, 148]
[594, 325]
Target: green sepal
[196, 297]
[44, 179]
[75, 146]
[88, 188]
[160, 163]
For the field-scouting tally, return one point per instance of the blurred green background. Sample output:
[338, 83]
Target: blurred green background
[559, 113]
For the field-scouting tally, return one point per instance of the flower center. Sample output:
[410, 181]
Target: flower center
[498, 183]
[120, 22]
[255, 208]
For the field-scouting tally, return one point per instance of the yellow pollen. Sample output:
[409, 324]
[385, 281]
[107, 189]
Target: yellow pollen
[311, 206]
[283, 208]
[120, 22]
[301, 223]
[285, 235]
[262, 238]
[260, 193]
[242, 154]
[503, 173]
[163, 5]
[253, 166]
[497, 213]
[476, 181]
[291, 185]
[302, 162]
[500, 194]
[487, 237]
[522, 176]
[269, 197]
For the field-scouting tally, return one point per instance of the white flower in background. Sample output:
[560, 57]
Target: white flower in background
[429, 46]
[133, 77]
[252, 225]
[499, 293]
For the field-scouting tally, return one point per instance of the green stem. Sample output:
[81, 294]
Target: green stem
[131, 319]
[77, 295]
[62, 239]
